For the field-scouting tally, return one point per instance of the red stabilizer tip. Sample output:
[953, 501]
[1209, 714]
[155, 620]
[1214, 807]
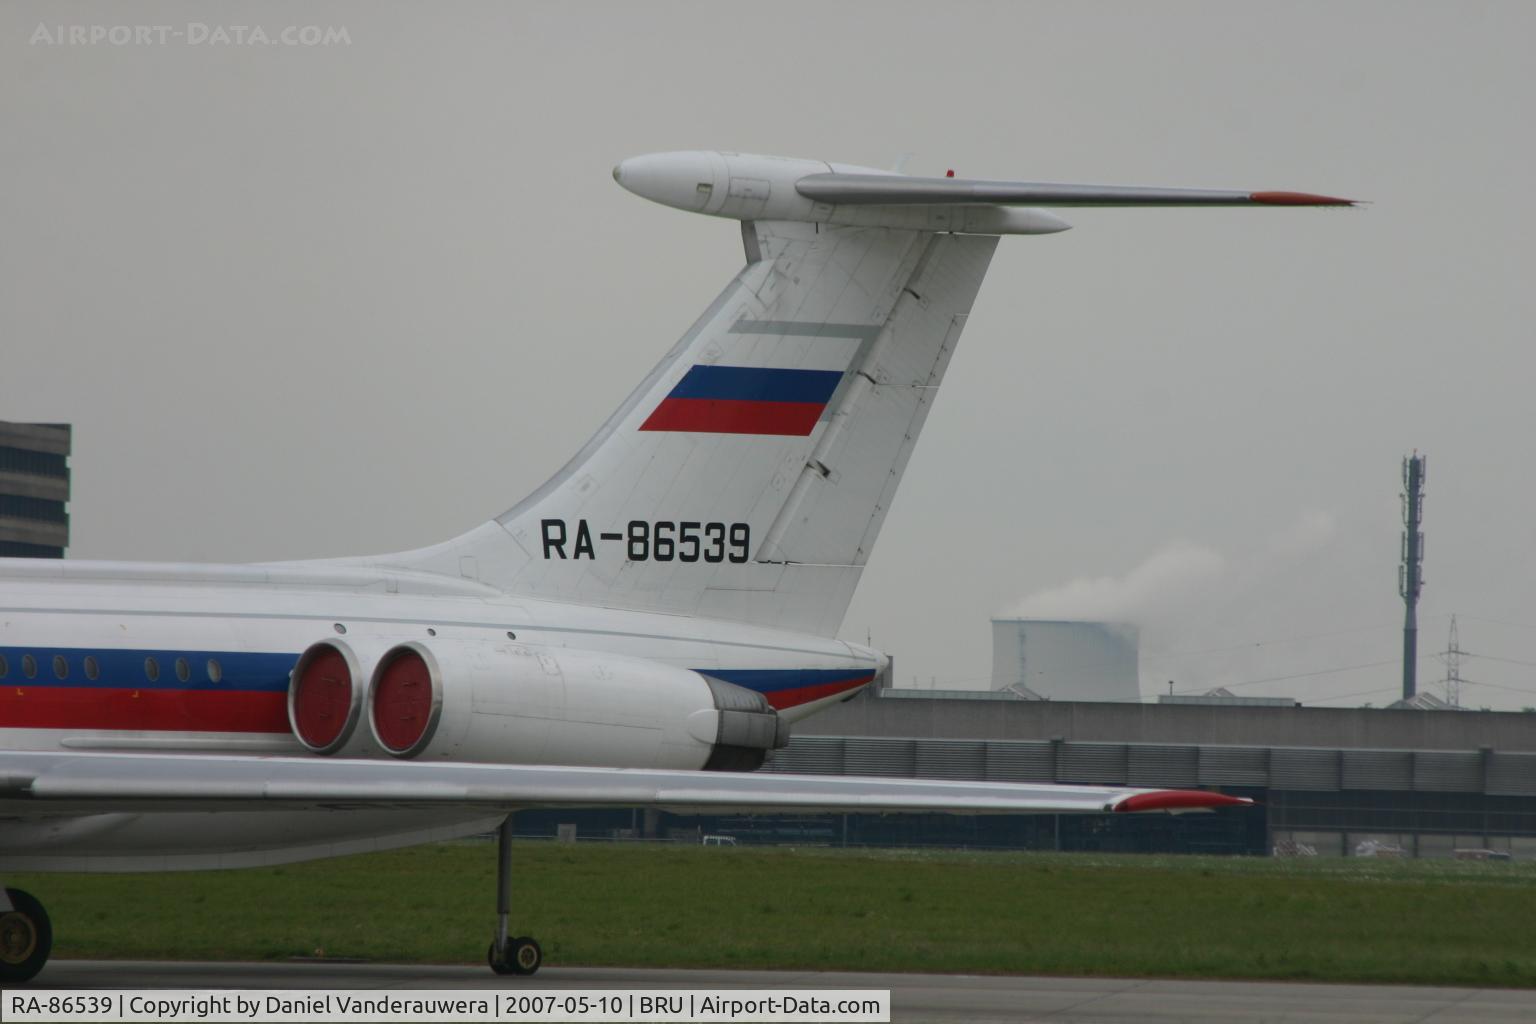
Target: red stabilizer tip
[1297, 199]
[1179, 800]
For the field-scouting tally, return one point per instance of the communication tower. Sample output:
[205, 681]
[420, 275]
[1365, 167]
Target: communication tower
[1410, 575]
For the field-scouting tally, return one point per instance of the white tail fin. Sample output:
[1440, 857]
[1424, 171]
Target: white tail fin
[748, 475]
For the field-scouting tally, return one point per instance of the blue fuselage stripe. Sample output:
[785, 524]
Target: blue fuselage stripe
[118, 668]
[771, 680]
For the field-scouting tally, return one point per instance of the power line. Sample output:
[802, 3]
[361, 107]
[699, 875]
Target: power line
[1249, 645]
[1499, 622]
[1356, 693]
[1497, 686]
[1145, 659]
[1307, 675]
[1494, 657]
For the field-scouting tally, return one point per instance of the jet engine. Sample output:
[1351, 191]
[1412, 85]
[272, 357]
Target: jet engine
[326, 696]
[517, 704]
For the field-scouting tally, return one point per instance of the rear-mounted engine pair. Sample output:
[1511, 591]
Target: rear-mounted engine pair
[329, 689]
[515, 704]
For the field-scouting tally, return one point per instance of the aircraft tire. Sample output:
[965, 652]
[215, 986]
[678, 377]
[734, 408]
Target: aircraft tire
[527, 956]
[497, 965]
[26, 938]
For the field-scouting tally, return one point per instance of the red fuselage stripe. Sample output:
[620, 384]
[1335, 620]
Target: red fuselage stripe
[196, 710]
[91, 707]
[805, 694]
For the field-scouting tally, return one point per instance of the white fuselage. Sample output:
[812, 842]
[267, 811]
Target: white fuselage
[123, 657]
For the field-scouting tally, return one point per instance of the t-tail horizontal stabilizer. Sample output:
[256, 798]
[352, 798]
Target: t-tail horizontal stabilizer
[745, 187]
[884, 188]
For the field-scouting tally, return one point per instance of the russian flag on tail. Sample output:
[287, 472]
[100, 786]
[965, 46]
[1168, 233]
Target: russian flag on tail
[745, 400]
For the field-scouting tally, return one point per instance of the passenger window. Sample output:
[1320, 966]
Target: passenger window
[151, 669]
[60, 666]
[215, 671]
[183, 670]
[29, 666]
[92, 670]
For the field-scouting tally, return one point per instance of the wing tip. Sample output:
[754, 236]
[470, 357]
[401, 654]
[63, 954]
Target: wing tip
[1298, 199]
[1178, 800]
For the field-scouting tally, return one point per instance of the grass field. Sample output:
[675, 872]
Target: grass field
[1352, 920]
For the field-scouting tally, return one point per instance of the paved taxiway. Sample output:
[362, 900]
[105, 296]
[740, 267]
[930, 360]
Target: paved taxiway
[914, 997]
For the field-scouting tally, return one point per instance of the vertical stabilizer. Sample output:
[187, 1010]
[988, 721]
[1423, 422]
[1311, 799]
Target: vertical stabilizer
[748, 475]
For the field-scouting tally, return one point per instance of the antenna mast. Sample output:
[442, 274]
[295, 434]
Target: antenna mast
[1410, 575]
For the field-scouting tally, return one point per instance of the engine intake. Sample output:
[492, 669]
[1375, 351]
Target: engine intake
[325, 696]
[406, 699]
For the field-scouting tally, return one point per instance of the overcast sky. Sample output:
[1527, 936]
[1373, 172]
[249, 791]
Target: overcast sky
[337, 299]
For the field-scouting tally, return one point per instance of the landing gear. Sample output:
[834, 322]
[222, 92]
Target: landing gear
[26, 937]
[524, 956]
[507, 955]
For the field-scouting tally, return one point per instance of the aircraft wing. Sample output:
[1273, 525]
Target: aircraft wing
[900, 190]
[51, 783]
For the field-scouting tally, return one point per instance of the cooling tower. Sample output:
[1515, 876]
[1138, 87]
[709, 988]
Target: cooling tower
[1066, 660]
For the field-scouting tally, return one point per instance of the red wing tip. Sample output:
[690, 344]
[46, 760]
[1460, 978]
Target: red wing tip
[1179, 800]
[1298, 199]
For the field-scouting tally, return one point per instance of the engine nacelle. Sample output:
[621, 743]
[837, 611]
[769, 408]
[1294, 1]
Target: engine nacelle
[512, 703]
[327, 693]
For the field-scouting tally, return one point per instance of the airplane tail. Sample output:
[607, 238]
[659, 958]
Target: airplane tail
[748, 475]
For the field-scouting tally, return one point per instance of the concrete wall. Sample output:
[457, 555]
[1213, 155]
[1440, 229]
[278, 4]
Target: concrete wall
[871, 715]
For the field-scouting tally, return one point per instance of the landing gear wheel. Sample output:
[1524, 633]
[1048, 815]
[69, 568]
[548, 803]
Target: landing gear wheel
[497, 965]
[26, 938]
[524, 956]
